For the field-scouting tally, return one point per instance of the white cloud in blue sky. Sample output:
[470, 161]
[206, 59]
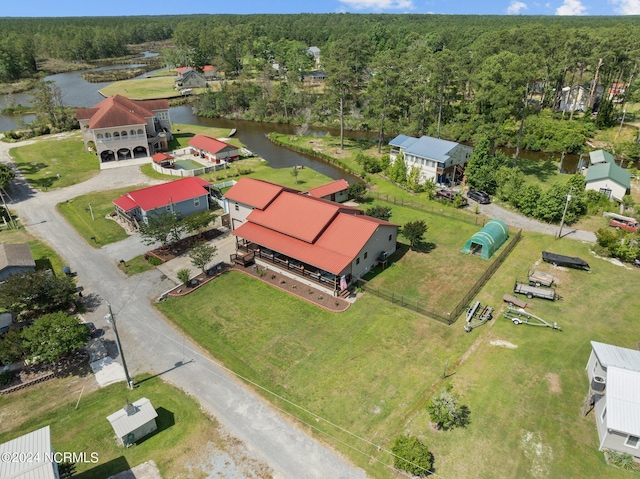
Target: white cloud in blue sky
[516, 7]
[626, 7]
[380, 5]
[571, 7]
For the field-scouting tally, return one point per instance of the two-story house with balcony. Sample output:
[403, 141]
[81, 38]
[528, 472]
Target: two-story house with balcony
[118, 128]
[438, 160]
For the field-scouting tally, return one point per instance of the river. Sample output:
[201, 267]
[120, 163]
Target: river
[77, 92]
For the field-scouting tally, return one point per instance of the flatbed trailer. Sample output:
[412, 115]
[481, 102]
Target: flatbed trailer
[539, 278]
[477, 315]
[534, 291]
[520, 316]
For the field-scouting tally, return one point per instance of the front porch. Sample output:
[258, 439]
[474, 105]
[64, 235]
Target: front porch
[249, 252]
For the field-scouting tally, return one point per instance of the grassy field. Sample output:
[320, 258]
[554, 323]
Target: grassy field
[184, 431]
[78, 214]
[135, 266]
[438, 276]
[44, 256]
[42, 161]
[143, 88]
[372, 369]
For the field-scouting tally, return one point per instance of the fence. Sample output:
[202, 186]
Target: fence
[436, 209]
[185, 173]
[426, 310]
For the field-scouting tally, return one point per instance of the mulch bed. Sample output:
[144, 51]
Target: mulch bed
[299, 289]
[181, 247]
[199, 280]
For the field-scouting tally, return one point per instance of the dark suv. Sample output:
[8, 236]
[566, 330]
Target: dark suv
[479, 196]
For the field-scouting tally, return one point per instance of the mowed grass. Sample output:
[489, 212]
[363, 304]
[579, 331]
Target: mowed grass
[437, 274]
[183, 435]
[42, 161]
[78, 214]
[364, 369]
[44, 256]
[143, 88]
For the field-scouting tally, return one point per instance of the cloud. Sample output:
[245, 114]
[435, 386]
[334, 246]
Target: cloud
[571, 7]
[516, 7]
[627, 7]
[378, 5]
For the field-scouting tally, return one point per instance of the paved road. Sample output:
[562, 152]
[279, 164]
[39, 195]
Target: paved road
[151, 344]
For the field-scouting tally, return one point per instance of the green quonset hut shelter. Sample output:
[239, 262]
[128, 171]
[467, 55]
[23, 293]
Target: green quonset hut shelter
[488, 240]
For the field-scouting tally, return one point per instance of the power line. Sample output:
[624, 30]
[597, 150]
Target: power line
[253, 383]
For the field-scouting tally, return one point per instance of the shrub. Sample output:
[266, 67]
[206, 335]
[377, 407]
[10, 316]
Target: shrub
[5, 378]
[183, 276]
[155, 261]
[412, 456]
[619, 459]
[446, 411]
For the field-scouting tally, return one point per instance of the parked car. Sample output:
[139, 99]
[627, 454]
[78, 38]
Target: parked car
[619, 223]
[481, 197]
[91, 328]
[451, 196]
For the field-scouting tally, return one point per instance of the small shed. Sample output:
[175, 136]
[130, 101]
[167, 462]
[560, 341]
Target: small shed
[15, 259]
[488, 240]
[134, 421]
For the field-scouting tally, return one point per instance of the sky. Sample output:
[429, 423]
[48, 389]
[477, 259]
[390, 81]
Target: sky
[62, 8]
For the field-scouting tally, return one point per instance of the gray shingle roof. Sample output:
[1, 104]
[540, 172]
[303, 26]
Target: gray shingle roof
[37, 445]
[123, 423]
[425, 147]
[15, 255]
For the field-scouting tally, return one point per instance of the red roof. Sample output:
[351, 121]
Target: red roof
[209, 144]
[162, 195]
[254, 193]
[329, 188]
[184, 69]
[207, 68]
[118, 110]
[160, 157]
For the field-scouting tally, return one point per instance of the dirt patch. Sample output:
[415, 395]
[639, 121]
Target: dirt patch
[297, 288]
[540, 454]
[554, 383]
[502, 343]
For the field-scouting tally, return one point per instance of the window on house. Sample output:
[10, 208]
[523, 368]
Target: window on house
[123, 135]
[366, 254]
[606, 191]
[632, 441]
[390, 236]
[196, 202]
[169, 208]
[603, 415]
[237, 207]
[358, 260]
[116, 136]
[140, 132]
[132, 133]
[99, 136]
[107, 136]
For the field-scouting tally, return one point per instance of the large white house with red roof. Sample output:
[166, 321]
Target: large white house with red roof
[299, 234]
[213, 150]
[181, 197]
[118, 128]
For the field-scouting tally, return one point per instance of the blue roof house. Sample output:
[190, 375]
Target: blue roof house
[441, 161]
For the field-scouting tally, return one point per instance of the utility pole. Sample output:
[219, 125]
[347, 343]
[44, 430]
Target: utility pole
[564, 214]
[112, 319]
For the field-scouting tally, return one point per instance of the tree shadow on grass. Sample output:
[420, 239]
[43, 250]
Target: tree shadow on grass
[542, 170]
[43, 264]
[424, 247]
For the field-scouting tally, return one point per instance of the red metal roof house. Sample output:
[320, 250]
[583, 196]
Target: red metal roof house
[334, 191]
[118, 128]
[302, 235]
[212, 149]
[181, 197]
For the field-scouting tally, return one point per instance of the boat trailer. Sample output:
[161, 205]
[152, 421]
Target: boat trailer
[477, 315]
[520, 316]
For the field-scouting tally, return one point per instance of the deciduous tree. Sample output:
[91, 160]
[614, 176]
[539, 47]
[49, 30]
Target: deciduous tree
[201, 255]
[446, 411]
[52, 336]
[412, 455]
[414, 231]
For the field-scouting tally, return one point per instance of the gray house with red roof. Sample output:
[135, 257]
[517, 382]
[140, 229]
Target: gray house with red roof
[213, 150]
[298, 234]
[181, 197]
[118, 128]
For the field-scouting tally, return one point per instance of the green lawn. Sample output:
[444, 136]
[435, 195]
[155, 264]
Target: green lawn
[44, 256]
[182, 133]
[78, 214]
[372, 369]
[42, 162]
[143, 88]
[438, 276]
[135, 266]
[183, 434]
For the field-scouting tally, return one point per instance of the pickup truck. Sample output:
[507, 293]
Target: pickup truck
[627, 225]
[534, 292]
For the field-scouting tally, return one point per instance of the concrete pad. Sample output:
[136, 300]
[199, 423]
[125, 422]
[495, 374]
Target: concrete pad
[107, 371]
[121, 163]
[146, 470]
[96, 350]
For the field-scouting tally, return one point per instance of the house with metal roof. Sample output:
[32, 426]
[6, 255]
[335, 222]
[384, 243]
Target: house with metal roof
[190, 78]
[334, 191]
[134, 421]
[605, 176]
[118, 128]
[440, 161]
[299, 235]
[15, 259]
[614, 380]
[37, 447]
[181, 197]
[213, 150]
